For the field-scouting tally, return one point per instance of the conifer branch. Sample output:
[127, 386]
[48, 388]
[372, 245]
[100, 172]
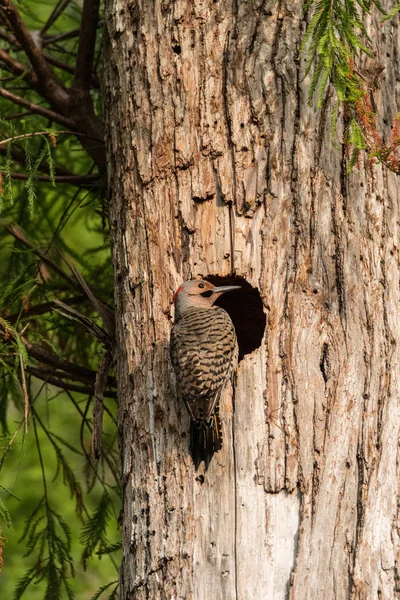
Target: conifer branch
[60, 37]
[49, 358]
[76, 101]
[48, 351]
[25, 391]
[55, 14]
[94, 79]
[91, 180]
[51, 88]
[85, 421]
[58, 369]
[17, 68]
[42, 309]
[87, 42]
[98, 407]
[56, 380]
[23, 136]
[63, 176]
[106, 314]
[85, 322]
[17, 233]
[334, 38]
[40, 110]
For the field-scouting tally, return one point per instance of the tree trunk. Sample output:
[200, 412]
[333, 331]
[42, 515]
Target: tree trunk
[217, 163]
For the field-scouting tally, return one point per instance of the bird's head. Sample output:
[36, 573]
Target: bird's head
[198, 293]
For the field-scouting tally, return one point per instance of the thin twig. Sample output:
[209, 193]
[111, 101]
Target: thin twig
[60, 37]
[10, 443]
[19, 156]
[52, 89]
[58, 10]
[98, 406]
[95, 81]
[83, 373]
[19, 115]
[106, 314]
[81, 180]
[25, 390]
[40, 110]
[52, 380]
[85, 322]
[42, 309]
[38, 133]
[17, 233]
[17, 68]
[85, 421]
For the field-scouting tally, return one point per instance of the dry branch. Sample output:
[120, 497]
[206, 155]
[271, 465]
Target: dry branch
[77, 371]
[87, 43]
[17, 68]
[60, 37]
[17, 233]
[98, 406]
[40, 110]
[53, 379]
[55, 14]
[41, 309]
[52, 90]
[80, 180]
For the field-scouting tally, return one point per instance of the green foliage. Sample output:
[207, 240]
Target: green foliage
[334, 39]
[53, 413]
[93, 532]
[48, 534]
[9, 188]
[106, 587]
[355, 138]
[13, 338]
[4, 514]
[392, 13]
[61, 506]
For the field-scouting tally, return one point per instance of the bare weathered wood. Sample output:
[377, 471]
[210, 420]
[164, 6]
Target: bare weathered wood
[212, 148]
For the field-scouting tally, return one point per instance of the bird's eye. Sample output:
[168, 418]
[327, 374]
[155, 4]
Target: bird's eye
[201, 285]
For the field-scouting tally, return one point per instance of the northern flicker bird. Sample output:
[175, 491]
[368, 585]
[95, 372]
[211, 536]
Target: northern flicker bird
[204, 354]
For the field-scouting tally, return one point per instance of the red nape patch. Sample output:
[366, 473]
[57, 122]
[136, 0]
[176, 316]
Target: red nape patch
[180, 288]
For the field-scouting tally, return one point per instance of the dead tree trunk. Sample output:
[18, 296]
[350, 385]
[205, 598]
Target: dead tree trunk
[217, 163]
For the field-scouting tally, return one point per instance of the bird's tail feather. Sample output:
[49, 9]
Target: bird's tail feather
[205, 439]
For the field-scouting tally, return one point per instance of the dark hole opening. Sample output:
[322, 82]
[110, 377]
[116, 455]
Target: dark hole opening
[245, 308]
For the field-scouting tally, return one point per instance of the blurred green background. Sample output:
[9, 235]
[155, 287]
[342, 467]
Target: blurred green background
[40, 467]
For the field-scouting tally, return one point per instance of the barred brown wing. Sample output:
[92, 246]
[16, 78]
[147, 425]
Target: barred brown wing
[203, 353]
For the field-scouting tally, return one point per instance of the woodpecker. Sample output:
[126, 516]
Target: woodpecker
[204, 354]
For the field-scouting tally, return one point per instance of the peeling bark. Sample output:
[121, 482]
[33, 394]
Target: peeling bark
[217, 162]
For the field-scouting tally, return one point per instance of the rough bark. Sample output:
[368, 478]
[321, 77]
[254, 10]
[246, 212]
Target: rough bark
[216, 160]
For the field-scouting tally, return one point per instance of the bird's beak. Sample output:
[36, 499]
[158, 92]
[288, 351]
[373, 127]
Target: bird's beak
[226, 288]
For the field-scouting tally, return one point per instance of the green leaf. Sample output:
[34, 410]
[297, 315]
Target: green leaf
[103, 589]
[392, 13]
[94, 530]
[5, 515]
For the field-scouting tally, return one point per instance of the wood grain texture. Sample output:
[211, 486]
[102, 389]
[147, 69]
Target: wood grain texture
[206, 110]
